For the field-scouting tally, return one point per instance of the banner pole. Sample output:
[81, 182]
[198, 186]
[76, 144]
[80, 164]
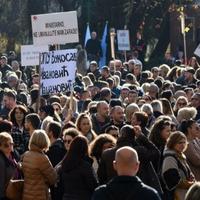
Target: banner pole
[38, 99]
[125, 56]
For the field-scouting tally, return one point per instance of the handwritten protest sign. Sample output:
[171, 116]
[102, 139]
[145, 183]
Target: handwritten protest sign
[57, 71]
[30, 54]
[123, 40]
[55, 28]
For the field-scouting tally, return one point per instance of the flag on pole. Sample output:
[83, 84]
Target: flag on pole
[87, 34]
[102, 61]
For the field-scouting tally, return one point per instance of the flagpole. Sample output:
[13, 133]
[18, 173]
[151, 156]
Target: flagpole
[125, 56]
[183, 32]
[112, 42]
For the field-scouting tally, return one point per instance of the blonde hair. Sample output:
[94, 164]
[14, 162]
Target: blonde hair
[4, 138]
[164, 69]
[87, 81]
[186, 113]
[39, 139]
[145, 87]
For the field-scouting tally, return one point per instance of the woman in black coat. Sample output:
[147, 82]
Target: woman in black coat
[7, 167]
[77, 175]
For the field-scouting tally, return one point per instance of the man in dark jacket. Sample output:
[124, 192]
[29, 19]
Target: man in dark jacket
[56, 153]
[133, 137]
[126, 185]
[100, 118]
[56, 150]
[93, 48]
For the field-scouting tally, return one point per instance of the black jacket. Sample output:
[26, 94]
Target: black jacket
[7, 171]
[125, 188]
[97, 126]
[56, 152]
[147, 153]
[79, 183]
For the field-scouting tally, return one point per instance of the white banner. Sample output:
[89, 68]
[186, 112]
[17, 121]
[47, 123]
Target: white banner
[197, 51]
[55, 28]
[57, 71]
[123, 40]
[30, 54]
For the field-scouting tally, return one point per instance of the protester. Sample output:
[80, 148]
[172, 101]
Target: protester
[84, 125]
[154, 100]
[77, 175]
[191, 129]
[7, 166]
[18, 132]
[176, 173]
[93, 48]
[126, 185]
[38, 171]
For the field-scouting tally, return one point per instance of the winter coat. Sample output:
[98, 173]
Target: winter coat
[7, 171]
[193, 157]
[56, 152]
[176, 174]
[127, 188]
[147, 152]
[39, 174]
[79, 183]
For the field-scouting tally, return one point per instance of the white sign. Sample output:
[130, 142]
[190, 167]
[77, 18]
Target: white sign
[57, 71]
[55, 28]
[30, 54]
[123, 40]
[197, 51]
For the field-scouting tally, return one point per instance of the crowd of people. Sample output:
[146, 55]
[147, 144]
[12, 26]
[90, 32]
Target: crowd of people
[122, 132]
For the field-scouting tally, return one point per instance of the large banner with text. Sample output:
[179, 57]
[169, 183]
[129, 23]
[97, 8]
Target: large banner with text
[55, 28]
[57, 71]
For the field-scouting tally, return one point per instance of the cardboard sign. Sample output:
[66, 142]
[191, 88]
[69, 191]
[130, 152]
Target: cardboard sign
[55, 28]
[30, 54]
[57, 71]
[123, 40]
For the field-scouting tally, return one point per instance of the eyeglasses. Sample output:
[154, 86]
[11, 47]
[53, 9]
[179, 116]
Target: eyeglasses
[6, 145]
[67, 141]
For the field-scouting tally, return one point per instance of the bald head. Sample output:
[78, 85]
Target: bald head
[126, 161]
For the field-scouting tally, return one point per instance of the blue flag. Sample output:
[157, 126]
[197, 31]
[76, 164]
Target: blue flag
[102, 61]
[87, 34]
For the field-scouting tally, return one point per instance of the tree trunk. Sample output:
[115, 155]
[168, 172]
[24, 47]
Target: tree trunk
[163, 41]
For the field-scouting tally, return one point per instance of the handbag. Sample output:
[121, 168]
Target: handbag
[14, 189]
